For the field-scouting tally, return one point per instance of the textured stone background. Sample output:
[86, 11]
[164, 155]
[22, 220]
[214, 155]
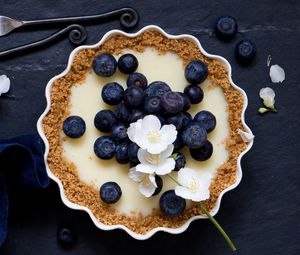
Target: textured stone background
[262, 215]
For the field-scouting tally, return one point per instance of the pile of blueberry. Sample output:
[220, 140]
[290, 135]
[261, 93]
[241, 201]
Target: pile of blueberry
[136, 101]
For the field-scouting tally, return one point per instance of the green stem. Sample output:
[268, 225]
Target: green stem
[174, 179]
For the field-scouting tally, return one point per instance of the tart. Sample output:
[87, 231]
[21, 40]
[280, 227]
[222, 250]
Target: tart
[79, 173]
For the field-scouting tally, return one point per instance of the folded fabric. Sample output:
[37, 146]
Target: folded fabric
[23, 158]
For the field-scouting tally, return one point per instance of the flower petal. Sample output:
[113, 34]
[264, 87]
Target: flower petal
[277, 74]
[156, 148]
[152, 180]
[185, 174]
[133, 129]
[150, 122]
[246, 137]
[183, 192]
[136, 175]
[146, 187]
[145, 168]
[166, 166]
[142, 156]
[4, 84]
[268, 95]
[168, 133]
[167, 152]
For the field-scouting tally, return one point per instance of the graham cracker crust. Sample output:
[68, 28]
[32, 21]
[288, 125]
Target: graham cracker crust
[79, 192]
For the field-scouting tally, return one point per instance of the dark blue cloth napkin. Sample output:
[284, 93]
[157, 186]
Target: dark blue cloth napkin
[23, 159]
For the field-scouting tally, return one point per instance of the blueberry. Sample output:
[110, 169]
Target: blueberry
[179, 120]
[105, 65]
[74, 126]
[138, 80]
[104, 147]
[195, 93]
[119, 132]
[133, 96]
[122, 112]
[66, 237]
[135, 115]
[203, 153]
[122, 153]
[196, 72]
[132, 152]
[206, 120]
[245, 51]
[110, 192]
[157, 89]
[152, 105]
[161, 119]
[172, 102]
[194, 136]
[179, 161]
[112, 93]
[127, 63]
[178, 143]
[186, 102]
[104, 120]
[159, 183]
[226, 27]
[171, 204]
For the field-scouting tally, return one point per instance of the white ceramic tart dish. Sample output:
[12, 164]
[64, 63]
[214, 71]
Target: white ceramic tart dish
[84, 165]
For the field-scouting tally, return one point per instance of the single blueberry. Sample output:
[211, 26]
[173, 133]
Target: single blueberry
[152, 105]
[186, 102]
[132, 152]
[226, 27]
[157, 89]
[112, 93]
[122, 113]
[128, 63]
[110, 192]
[134, 96]
[245, 51]
[179, 161]
[206, 120]
[105, 65]
[196, 72]
[104, 120]
[171, 204]
[135, 115]
[104, 147]
[66, 237]
[194, 93]
[180, 120]
[138, 80]
[122, 153]
[178, 143]
[172, 102]
[119, 132]
[194, 136]
[203, 153]
[74, 126]
[161, 119]
[159, 183]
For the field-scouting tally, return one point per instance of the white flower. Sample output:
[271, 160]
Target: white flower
[268, 95]
[193, 185]
[160, 164]
[149, 135]
[4, 84]
[246, 137]
[147, 183]
[277, 74]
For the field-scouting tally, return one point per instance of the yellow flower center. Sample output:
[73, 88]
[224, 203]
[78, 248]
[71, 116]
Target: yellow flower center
[153, 159]
[193, 185]
[154, 136]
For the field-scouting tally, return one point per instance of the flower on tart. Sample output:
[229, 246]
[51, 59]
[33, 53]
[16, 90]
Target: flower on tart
[4, 84]
[149, 135]
[147, 183]
[193, 185]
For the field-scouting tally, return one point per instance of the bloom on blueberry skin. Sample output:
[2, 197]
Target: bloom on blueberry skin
[268, 96]
[193, 185]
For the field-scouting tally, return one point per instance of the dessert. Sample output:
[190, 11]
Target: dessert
[85, 164]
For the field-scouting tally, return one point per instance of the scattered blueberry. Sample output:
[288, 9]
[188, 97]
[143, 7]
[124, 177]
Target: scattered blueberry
[196, 72]
[119, 132]
[122, 112]
[172, 102]
[194, 93]
[178, 143]
[104, 120]
[105, 65]
[226, 27]
[110, 192]
[203, 153]
[104, 147]
[132, 152]
[159, 183]
[74, 126]
[179, 120]
[194, 136]
[179, 161]
[133, 96]
[122, 153]
[135, 115]
[157, 89]
[66, 237]
[127, 63]
[152, 105]
[245, 51]
[138, 80]
[171, 204]
[206, 120]
[186, 102]
[112, 93]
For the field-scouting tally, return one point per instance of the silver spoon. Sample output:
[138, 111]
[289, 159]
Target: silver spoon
[128, 19]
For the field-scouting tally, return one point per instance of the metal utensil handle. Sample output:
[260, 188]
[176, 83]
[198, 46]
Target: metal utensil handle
[129, 18]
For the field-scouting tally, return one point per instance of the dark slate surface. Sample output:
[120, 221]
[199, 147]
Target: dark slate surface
[262, 215]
